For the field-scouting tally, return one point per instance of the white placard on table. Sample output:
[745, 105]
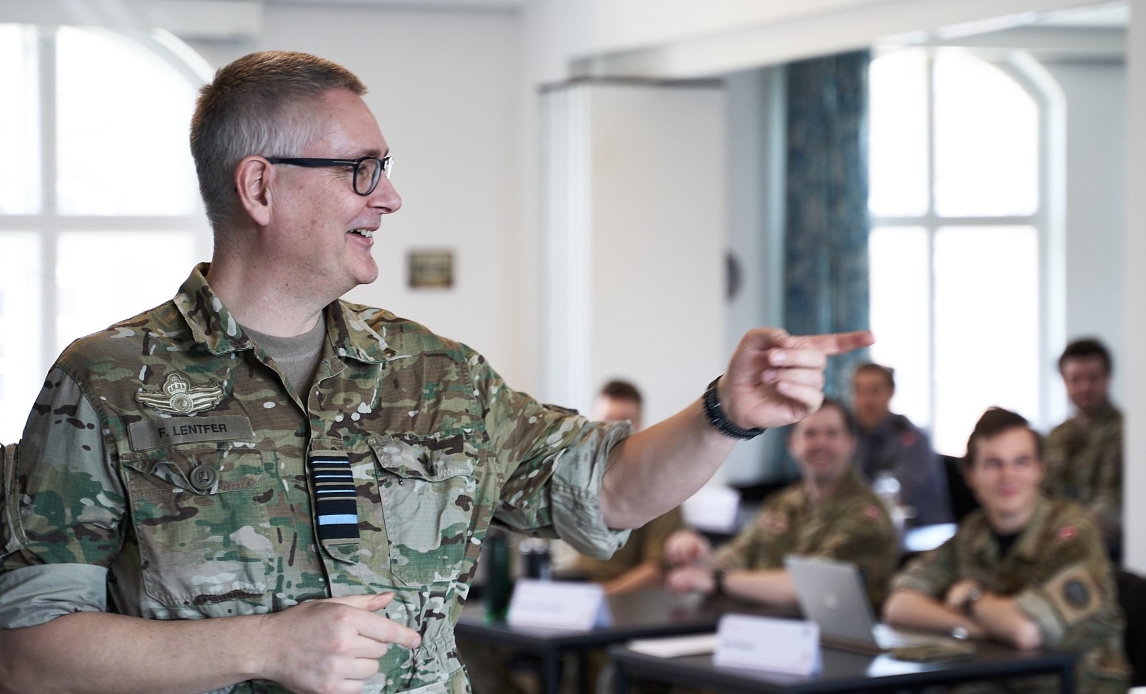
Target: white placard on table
[712, 508]
[765, 643]
[558, 605]
[675, 646]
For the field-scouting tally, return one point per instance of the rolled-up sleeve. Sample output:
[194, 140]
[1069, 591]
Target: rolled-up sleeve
[62, 510]
[932, 574]
[552, 461]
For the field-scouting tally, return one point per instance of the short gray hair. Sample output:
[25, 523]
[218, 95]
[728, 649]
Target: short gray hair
[253, 107]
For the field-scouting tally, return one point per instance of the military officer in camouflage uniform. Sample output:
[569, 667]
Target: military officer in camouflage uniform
[829, 513]
[1024, 570]
[1084, 453]
[260, 487]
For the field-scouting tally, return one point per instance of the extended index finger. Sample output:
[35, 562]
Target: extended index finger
[381, 628]
[831, 343]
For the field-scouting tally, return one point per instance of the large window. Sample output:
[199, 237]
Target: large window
[99, 211]
[957, 226]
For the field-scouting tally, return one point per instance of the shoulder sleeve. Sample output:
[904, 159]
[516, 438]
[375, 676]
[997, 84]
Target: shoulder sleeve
[1073, 589]
[932, 573]
[62, 516]
[756, 545]
[552, 462]
[1107, 502]
[866, 537]
[1054, 459]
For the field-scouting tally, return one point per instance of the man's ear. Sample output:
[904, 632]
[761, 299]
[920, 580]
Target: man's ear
[253, 177]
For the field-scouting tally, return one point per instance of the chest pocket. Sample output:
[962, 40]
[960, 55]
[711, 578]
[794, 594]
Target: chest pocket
[427, 488]
[200, 517]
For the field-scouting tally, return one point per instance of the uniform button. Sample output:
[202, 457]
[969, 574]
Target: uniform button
[203, 477]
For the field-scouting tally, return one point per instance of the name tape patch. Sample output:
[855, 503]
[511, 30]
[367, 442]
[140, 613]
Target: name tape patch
[157, 433]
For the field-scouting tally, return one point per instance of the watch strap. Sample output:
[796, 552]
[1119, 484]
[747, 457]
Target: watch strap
[720, 421]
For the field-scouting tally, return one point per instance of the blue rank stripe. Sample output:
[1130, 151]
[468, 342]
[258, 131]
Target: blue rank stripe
[335, 507]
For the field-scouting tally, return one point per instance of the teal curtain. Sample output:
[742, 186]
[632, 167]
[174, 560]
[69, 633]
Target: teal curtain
[826, 216]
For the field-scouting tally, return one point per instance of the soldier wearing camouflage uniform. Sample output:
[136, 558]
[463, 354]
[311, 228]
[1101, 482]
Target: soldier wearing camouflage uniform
[830, 513]
[1084, 453]
[259, 487]
[1023, 569]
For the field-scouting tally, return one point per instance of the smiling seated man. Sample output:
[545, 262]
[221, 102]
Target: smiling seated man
[830, 513]
[1024, 570]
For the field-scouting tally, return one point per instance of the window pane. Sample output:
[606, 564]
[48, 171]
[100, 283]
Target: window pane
[21, 372]
[19, 121]
[986, 328]
[986, 140]
[900, 272]
[123, 117]
[898, 151]
[105, 277]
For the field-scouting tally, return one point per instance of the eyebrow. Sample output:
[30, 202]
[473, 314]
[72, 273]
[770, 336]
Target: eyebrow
[373, 153]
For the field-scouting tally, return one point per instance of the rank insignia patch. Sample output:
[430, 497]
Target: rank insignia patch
[178, 397]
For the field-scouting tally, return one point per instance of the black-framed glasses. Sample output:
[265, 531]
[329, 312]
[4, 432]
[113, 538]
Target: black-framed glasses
[367, 170]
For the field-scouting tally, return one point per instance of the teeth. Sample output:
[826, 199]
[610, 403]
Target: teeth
[364, 232]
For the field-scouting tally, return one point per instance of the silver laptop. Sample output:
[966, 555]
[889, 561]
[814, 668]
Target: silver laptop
[832, 595]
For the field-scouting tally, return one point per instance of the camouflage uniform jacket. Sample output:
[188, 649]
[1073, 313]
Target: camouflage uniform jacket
[1085, 464]
[1058, 574]
[646, 544]
[903, 449]
[199, 504]
[851, 525]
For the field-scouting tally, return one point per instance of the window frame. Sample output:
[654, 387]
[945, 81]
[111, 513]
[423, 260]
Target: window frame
[1048, 220]
[49, 224]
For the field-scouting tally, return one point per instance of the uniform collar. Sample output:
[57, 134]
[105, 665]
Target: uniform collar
[1027, 545]
[213, 326]
[847, 485]
[1105, 414]
[351, 335]
[211, 323]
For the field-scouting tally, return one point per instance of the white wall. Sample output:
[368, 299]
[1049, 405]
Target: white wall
[1096, 202]
[1135, 288]
[634, 182]
[444, 88]
[756, 161]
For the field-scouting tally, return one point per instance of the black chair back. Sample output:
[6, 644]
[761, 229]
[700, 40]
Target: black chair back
[963, 500]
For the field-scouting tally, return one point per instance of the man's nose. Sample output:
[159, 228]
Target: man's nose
[385, 197]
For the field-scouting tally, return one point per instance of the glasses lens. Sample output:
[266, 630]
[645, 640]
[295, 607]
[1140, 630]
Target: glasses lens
[366, 176]
[387, 166]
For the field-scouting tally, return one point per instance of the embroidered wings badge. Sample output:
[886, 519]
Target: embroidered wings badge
[178, 397]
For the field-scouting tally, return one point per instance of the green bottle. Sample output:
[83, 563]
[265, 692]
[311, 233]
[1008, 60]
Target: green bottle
[499, 585]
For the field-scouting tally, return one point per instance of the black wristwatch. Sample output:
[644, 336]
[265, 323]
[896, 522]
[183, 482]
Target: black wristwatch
[970, 599]
[716, 417]
[718, 581]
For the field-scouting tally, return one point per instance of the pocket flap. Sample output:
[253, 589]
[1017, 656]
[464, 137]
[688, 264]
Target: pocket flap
[423, 458]
[200, 469]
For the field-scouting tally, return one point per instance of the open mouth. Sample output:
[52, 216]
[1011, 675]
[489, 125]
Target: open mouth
[367, 233]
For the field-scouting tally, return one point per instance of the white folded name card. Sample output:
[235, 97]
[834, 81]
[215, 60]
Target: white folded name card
[558, 605]
[765, 643]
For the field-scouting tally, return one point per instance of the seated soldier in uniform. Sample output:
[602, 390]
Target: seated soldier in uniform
[639, 563]
[1024, 570]
[1084, 453]
[891, 445]
[830, 513]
